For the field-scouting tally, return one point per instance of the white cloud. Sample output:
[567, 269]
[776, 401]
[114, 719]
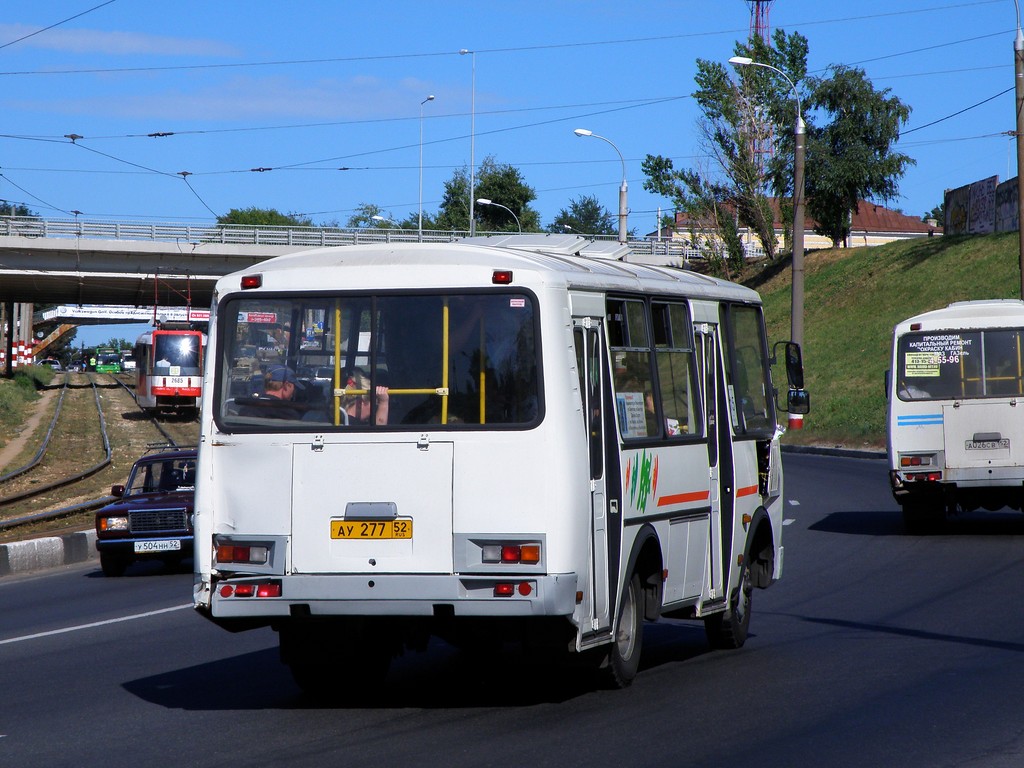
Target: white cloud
[112, 43]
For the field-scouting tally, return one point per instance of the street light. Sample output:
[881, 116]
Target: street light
[485, 201]
[623, 190]
[472, 138]
[797, 316]
[429, 98]
[1018, 72]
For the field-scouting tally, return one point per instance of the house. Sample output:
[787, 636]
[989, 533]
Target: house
[872, 224]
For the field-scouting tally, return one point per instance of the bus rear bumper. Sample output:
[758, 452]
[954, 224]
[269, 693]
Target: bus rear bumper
[396, 595]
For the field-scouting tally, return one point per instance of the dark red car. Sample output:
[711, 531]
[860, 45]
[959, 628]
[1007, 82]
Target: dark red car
[152, 518]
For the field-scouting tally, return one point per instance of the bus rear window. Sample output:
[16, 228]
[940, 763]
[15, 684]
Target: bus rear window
[950, 364]
[459, 360]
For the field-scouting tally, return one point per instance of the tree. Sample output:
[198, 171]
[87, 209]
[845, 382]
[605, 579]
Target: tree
[938, 213]
[851, 158]
[7, 208]
[736, 130]
[585, 216]
[256, 217]
[366, 216]
[495, 181]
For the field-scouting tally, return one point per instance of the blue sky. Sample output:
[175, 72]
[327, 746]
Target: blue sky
[309, 87]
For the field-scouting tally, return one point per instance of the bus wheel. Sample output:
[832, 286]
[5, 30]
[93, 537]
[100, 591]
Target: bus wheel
[729, 629]
[112, 565]
[623, 658]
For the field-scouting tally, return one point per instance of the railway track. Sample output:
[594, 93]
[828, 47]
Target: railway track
[94, 435]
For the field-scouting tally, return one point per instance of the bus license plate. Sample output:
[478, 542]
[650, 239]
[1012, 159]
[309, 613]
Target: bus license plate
[372, 529]
[157, 546]
[987, 445]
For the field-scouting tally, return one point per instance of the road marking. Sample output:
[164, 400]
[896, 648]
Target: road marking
[788, 521]
[794, 502]
[94, 624]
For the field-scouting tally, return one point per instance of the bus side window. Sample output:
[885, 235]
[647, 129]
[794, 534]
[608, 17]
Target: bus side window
[674, 356]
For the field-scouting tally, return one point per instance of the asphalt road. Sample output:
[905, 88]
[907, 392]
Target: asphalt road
[875, 649]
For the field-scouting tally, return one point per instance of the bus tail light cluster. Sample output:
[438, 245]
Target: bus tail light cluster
[931, 477]
[511, 554]
[917, 461]
[252, 589]
[510, 589]
[246, 554]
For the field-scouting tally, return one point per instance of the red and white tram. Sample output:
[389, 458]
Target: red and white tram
[170, 369]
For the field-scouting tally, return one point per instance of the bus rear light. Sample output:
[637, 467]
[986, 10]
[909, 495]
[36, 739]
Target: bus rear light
[501, 276]
[247, 554]
[525, 588]
[252, 589]
[510, 554]
[915, 461]
[932, 477]
[252, 281]
[504, 590]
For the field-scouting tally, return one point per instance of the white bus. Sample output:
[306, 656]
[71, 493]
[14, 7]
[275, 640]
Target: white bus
[566, 447]
[955, 391]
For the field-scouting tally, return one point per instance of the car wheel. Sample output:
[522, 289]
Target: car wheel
[729, 629]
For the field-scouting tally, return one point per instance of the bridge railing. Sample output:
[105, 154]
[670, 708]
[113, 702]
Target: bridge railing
[673, 252]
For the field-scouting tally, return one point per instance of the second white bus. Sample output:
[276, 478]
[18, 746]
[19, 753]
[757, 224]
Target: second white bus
[534, 445]
[955, 397]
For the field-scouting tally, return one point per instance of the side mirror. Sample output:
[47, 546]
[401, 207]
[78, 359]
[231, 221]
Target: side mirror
[117, 490]
[794, 365]
[798, 401]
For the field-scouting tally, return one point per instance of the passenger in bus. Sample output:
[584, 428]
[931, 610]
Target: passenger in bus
[358, 406]
[275, 400]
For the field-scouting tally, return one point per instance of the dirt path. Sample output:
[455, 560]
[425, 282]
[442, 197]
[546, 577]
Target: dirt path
[40, 410]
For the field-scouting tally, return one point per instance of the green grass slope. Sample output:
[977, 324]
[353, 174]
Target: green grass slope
[853, 298]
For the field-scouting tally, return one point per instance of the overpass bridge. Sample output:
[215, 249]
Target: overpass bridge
[79, 262]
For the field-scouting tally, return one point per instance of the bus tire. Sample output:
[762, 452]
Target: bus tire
[623, 658]
[728, 630]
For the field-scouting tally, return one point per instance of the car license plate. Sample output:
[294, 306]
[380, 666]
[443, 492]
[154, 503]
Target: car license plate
[172, 545]
[400, 528]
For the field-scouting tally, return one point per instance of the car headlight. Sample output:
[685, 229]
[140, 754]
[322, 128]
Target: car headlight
[114, 523]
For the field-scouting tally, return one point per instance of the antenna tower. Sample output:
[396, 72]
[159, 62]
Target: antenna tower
[759, 26]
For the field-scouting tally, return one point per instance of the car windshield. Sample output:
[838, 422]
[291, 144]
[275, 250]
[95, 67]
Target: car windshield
[162, 475]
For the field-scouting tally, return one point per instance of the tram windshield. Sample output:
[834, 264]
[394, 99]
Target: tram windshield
[454, 360]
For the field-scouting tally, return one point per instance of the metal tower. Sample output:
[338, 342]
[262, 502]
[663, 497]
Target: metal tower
[759, 18]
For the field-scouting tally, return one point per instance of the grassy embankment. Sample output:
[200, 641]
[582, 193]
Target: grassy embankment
[853, 298]
[15, 396]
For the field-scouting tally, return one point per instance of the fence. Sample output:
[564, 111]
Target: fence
[671, 252]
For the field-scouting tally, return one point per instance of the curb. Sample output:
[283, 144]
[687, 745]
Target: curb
[846, 453]
[47, 552]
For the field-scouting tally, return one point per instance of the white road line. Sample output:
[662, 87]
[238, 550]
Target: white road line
[794, 502]
[94, 624]
[788, 521]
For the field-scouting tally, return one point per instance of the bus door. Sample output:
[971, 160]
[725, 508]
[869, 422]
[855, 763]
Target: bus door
[712, 376]
[605, 518]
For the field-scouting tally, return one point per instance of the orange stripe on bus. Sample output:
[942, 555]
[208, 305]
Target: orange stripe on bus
[750, 490]
[683, 498]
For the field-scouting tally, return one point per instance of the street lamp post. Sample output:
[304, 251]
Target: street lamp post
[485, 201]
[472, 139]
[623, 190]
[420, 231]
[799, 131]
[1018, 71]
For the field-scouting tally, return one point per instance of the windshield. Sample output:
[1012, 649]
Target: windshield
[162, 475]
[378, 361]
[179, 351]
[956, 365]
